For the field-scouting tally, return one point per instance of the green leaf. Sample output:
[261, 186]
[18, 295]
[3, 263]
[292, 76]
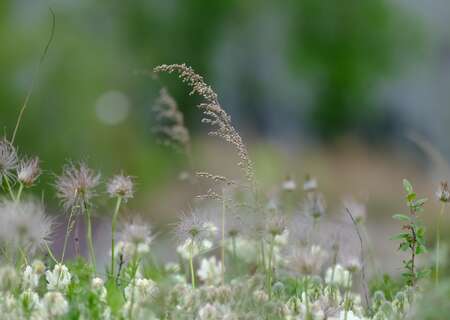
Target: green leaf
[401, 217]
[400, 236]
[407, 186]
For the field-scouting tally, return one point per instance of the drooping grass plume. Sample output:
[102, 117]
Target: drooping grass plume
[170, 128]
[213, 112]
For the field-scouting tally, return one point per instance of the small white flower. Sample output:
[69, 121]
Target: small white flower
[208, 312]
[98, 286]
[338, 275]
[59, 278]
[194, 248]
[55, 304]
[141, 289]
[289, 184]
[30, 278]
[210, 271]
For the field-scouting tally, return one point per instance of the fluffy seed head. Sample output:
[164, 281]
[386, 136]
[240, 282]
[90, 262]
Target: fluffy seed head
[443, 194]
[275, 225]
[8, 159]
[28, 171]
[191, 227]
[76, 186]
[121, 186]
[24, 224]
[137, 232]
[307, 260]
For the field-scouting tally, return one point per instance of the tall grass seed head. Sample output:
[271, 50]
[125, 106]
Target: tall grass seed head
[76, 185]
[8, 159]
[28, 171]
[25, 224]
[121, 186]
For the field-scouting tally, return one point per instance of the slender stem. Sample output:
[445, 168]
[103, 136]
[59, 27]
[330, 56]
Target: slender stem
[222, 251]
[8, 185]
[50, 252]
[233, 243]
[19, 193]
[89, 238]
[113, 234]
[438, 242]
[305, 289]
[269, 267]
[347, 295]
[191, 263]
[66, 237]
[263, 258]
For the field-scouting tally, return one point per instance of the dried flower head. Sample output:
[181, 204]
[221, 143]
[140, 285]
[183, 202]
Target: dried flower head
[357, 209]
[25, 224]
[121, 186]
[443, 193]
[8, 159]
[307, 260]
[314, 205]
[28, 171]
[137, 232]
[275, 225]
[76, 186]
[192, 227]
[214, 114]
[170, 127]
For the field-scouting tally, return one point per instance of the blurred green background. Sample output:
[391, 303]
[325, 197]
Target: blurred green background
[302, 74]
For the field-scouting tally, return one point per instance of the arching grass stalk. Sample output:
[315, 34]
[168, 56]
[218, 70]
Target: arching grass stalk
[89, 238]
[113, 234]
[438, 242]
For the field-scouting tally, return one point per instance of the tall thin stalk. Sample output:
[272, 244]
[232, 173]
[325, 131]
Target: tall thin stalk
[89, 239]
[438, 242]
[191, 262]
[70, 224]
[113, 234]
[222, 251]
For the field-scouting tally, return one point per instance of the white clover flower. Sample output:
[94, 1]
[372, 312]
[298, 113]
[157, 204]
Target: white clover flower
[30, 278]
[172, 267]
[141, 289]
[211, 229]
[338, 275]
[29, 301]
[289, 184]
[38, 267]
[208, 312]
[55, 304]
[98, 286]
[210, 271]
[8, 278]
[59, 278]
[260, 296]
[194, 248]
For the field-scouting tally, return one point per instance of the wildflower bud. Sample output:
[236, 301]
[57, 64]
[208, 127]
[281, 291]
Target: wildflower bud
[38, 267]
[120, 186]
[443, 193]
[278, 287]
[289, 184]
[28, 171]
[55, 304]
[97, 283]
[310, 184]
